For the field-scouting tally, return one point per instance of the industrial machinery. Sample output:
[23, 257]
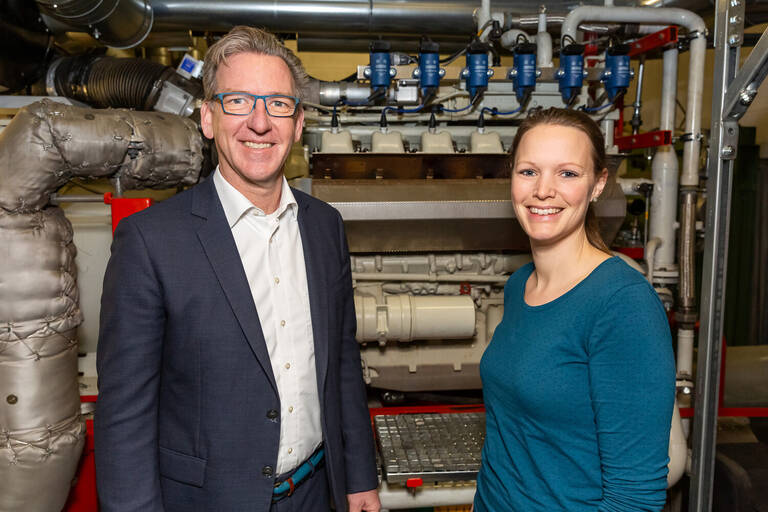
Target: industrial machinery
[412, 149]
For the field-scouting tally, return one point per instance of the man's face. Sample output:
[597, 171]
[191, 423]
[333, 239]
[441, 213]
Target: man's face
[252, 149]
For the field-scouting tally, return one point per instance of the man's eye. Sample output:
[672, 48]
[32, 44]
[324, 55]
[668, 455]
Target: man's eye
[237, 100]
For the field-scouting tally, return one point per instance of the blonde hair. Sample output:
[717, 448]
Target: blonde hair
[242, 39]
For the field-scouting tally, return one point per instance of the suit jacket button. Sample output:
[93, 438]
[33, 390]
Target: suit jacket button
[272, 414]
[267, 471]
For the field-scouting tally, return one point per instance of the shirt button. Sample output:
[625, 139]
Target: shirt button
[277, 280]
[282, 323]
[267, 471]
[290, 450]
[272, 414]
[290, 409]
[287, 366]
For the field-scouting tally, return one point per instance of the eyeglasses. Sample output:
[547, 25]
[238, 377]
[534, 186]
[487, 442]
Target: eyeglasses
[243, 103]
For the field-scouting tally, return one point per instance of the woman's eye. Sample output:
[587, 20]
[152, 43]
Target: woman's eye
[569, 174]
[526, 172]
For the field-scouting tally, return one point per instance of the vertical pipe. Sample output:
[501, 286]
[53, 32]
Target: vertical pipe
[665, 171]
[687, 256]
[543, 41]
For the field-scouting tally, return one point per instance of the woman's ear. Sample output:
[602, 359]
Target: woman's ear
[602, 179]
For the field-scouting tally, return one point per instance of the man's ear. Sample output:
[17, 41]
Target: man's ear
[299, 128]
[206, 119]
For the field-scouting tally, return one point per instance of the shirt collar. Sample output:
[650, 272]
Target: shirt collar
[235, 204]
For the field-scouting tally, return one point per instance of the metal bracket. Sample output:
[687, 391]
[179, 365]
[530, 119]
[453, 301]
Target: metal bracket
[736, 13]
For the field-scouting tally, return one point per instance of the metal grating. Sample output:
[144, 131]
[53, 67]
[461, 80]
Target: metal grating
[433, 447]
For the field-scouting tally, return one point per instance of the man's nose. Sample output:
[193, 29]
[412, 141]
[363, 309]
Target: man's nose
[258, 120]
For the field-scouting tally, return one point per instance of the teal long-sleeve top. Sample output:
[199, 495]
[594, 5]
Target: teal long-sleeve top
[579, 395]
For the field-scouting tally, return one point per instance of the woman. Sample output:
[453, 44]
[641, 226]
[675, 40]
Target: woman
[579, 377]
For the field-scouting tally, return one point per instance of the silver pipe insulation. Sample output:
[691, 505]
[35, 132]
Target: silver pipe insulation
[45, 145]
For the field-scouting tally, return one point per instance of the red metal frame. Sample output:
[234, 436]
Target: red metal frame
[644, 140]
[125, 206]
[651, 42]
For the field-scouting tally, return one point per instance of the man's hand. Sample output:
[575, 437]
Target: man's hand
[367, 501]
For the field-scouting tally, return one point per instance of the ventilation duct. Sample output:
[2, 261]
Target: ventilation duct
[116, 23]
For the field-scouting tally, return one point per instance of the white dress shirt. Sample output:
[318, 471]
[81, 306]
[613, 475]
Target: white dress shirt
[273, 258]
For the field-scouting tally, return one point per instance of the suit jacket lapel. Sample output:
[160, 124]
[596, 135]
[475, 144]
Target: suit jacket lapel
[219, 246]
[312, 244]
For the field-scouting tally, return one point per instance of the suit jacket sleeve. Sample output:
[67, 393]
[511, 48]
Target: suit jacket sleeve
[359, 451]
[128, 363]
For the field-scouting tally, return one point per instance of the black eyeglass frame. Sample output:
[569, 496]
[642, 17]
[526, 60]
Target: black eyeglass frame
[256, 97]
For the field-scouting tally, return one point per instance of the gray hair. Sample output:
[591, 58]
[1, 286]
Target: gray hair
[242, 39]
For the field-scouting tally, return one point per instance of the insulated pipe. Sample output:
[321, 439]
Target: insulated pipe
[678, 449]
[45, 145]
[650, 255]
[510, 38]
[116, 23]
[685, 353]
[698, 47]
[665, 171]
[405, 317]
[543, 41]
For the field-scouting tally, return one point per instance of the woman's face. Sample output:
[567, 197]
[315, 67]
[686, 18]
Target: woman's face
[553, 181]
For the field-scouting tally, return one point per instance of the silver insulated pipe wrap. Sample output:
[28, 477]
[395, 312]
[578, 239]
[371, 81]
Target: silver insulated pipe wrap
[46, 144]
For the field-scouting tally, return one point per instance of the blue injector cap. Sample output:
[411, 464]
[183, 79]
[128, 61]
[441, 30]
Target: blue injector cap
[523, 73]
[477, 73]
[380, 67]
[617, 72]
[428, 72]
[571, 72]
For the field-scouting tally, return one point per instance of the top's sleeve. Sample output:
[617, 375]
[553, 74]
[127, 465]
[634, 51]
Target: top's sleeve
[632, 386]
[128, 363]
[359, 449]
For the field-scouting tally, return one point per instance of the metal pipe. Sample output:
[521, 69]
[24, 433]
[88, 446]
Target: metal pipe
[362, 17]
[650, 254]
[687, 256]
[116, 23]
[447, 278]
[698, 47]
[636, 119]
[665, 171]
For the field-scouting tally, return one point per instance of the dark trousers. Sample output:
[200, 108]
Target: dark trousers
[312, 495]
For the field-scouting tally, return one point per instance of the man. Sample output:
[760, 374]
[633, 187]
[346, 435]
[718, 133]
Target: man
[229, 375]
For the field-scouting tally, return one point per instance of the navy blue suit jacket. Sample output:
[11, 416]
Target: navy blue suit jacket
[185, 419]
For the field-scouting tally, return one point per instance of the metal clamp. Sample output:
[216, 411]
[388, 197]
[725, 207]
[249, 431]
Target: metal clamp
[689, 137]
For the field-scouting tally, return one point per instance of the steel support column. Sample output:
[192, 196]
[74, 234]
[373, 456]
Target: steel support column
[729, 16]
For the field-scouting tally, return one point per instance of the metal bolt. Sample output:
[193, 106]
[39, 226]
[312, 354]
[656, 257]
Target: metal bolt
[734, 40]
[728, 151]
[735, 3]
[12, 399]
[735, 19]
[746, 96]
